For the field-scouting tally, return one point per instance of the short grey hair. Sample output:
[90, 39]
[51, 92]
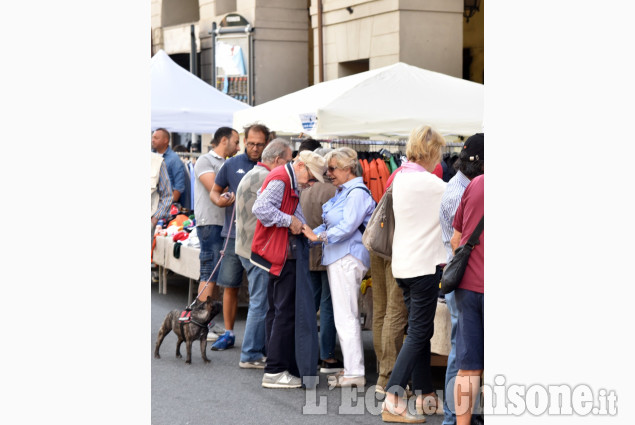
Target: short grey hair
[345, 158]
[322, 151]
[275, 149]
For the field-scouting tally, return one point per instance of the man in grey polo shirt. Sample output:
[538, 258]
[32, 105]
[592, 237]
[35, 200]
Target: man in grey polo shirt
[209, 217]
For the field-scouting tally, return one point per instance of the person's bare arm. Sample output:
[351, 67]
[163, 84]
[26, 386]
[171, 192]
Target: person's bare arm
[455, 240]
[208, 180]
[220, 199]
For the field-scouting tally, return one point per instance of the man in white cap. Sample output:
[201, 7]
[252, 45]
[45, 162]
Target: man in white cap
[277, 240]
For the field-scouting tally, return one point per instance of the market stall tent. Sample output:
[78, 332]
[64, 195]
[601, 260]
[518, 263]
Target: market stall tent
[182, 102]
[387, 101]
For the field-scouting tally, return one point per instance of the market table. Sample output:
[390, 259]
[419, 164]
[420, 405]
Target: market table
[186, 265]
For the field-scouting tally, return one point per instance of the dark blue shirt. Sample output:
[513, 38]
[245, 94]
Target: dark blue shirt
[230, 175]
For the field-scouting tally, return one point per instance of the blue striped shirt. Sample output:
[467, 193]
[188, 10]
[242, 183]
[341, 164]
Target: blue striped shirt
[165, 193]
[449, 203]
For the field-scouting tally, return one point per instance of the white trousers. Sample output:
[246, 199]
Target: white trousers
[345, 278]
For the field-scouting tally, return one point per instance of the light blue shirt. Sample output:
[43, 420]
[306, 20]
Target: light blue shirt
[449, 203]
[341, 216]
[178, 176]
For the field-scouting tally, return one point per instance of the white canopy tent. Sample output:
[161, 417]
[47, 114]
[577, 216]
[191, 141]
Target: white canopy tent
[182, 102]
[388, 101]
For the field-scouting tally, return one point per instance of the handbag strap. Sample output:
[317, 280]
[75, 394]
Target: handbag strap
[361, 227]
[473, 240]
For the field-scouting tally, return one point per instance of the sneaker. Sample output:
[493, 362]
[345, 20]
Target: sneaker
[281, 380]
[258, 364]
[224, 342]
[155, 276]
[338, 380]
[326, 367]
[214, 331]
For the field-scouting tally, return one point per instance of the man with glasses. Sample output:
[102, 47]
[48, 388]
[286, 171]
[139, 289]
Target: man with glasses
[278, 152]
[231, 269]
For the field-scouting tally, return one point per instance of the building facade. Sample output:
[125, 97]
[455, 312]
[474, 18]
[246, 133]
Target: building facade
[291, 44]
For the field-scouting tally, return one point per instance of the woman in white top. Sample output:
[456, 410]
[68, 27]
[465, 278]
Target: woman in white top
[417, 252]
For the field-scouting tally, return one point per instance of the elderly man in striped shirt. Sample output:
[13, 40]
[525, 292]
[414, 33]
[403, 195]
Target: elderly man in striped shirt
[278, 247]
[470, 164]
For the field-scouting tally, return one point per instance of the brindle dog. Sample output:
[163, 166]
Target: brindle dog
[196, 328]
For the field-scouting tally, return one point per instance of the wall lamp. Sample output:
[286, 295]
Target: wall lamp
[470, 7]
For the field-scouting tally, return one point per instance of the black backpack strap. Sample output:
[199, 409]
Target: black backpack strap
[473, 240]
[361, 227]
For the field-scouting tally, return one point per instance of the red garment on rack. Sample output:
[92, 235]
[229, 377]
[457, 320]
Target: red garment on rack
[375, 184]
[438, 171]
[366, 173]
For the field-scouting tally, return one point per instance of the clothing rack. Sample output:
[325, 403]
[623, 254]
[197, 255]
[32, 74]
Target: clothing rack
[365, 142]
[453, 147]
[360, 145]
[189, 154]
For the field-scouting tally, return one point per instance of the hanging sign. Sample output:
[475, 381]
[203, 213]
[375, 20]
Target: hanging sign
[308, 120]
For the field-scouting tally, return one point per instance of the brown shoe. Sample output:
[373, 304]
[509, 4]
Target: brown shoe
[399, 414]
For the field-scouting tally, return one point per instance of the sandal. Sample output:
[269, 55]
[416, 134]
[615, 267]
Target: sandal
[389, 413]
[428, 404]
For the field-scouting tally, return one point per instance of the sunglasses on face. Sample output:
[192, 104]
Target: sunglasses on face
[331, 169]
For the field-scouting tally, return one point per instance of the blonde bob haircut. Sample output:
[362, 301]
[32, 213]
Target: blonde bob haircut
[345, 158]
[425, 145]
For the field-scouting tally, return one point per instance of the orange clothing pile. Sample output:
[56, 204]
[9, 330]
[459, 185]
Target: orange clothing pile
[375, 176]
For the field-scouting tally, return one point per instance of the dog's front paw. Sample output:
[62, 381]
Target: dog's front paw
[207, 360]
[178, 356]
[156, 356]
[188, 361]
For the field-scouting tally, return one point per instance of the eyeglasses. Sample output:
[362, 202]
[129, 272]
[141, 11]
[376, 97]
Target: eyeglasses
[251, 145]
[331, 169]
[312, 178]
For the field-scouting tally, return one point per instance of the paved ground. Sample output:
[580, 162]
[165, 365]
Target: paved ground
[220, 392]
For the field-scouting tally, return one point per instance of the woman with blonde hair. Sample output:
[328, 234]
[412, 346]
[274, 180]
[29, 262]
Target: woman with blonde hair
[416, 254]
[345, 257]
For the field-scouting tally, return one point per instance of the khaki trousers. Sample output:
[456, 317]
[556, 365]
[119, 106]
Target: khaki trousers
[390, 317]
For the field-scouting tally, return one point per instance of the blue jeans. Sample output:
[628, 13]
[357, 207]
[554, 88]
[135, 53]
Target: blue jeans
[211, 246]
[449, 418]
[253, 347]
[231, 267]
[322, 296]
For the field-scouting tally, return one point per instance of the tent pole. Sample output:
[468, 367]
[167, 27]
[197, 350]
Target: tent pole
[320, 43]
[193, 51]
[213, 33]
[193, 66]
